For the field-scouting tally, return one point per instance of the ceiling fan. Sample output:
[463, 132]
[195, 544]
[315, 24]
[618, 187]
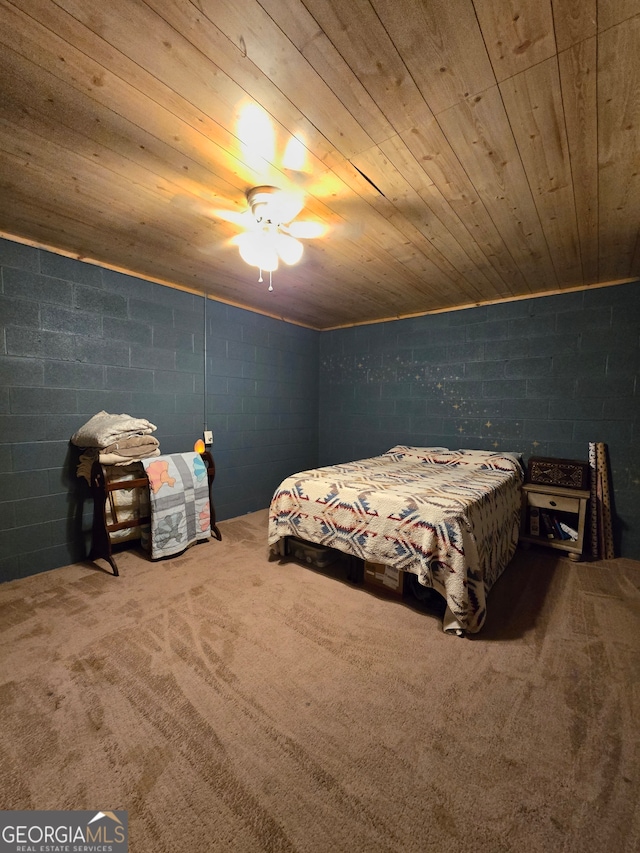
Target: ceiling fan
[272, 232]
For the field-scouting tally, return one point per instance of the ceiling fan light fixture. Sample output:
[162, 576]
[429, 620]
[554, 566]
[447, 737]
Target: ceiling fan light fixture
[269, 204]
[257, 250]
[289, 249]
[273, 235]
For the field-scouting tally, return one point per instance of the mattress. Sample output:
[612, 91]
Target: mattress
[451, 517]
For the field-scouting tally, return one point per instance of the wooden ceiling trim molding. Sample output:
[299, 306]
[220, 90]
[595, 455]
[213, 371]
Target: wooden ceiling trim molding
[519, 298]
[129, 271]
[458, 152]
[126, 271]
[128, 262]
[635, 261]
[124, 249]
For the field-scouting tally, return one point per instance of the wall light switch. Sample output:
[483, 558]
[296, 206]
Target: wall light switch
[208, 436]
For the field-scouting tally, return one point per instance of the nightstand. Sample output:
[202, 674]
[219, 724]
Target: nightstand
[548, 512]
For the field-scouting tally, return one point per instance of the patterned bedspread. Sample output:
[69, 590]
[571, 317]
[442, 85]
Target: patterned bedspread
[449, 516]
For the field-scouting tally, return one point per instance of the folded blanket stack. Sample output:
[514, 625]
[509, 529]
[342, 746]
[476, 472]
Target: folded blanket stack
[114, 440]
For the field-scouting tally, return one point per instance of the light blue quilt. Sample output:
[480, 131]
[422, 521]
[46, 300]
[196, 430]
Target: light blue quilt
[179, 499]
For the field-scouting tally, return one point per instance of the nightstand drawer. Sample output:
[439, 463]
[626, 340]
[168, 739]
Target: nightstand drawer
[553, 502]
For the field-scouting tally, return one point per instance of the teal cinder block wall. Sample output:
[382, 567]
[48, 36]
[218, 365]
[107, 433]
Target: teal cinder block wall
[542, 376]
[76, 339]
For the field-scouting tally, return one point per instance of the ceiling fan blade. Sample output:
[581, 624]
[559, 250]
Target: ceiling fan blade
[216, 248]
[295, 155]
[306, 229]
[243, 220]
[285, 206]
[256, 134]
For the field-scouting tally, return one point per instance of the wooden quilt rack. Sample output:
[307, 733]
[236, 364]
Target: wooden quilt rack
[102, 487]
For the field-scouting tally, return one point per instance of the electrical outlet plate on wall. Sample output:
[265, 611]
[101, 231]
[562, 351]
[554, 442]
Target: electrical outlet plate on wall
[208, 436]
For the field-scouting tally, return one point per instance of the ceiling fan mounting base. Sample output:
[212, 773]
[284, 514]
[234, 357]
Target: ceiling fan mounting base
[273, 206]
[259, 199]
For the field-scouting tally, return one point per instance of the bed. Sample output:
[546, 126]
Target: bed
[450, 517]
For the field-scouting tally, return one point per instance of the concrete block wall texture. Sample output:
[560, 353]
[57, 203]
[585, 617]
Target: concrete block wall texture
[76, 339]
[542, 377]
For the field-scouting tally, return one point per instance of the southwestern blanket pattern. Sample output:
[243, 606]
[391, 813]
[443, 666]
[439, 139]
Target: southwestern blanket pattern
[449, 516]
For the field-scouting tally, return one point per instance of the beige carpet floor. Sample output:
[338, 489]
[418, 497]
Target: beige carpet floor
[233, 703]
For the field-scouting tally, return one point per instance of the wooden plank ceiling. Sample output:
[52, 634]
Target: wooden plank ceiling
[458, 152]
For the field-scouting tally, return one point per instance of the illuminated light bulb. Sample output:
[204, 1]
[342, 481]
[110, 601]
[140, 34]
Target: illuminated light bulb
[198, 447]
[266, 259]
[289, 249]
[257, 250]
